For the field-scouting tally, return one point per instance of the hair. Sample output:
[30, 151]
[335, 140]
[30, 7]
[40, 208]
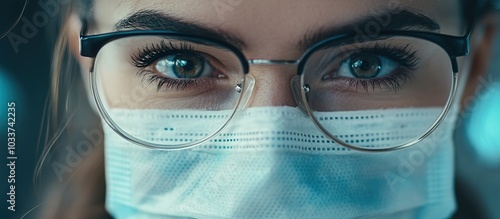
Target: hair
[69, 113]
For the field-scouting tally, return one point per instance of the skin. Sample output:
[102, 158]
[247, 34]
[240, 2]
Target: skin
[260, 24]
[266, 37]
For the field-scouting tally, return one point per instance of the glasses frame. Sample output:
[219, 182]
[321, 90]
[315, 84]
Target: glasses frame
[454, 46]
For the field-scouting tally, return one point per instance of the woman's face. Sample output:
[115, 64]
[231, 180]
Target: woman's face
[278, 30]
[367, 71]
[277, 139]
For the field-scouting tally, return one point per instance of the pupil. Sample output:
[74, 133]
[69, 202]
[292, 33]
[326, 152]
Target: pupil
[365, 66]
[187, 66]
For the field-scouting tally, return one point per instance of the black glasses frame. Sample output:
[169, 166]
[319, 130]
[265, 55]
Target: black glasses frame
[455, 46]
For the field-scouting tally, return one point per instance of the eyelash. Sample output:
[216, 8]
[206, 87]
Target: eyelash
[150, 54]
[404, 56]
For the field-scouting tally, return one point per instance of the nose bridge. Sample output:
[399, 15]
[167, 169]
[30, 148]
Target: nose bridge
[272, 82]
[272, 62]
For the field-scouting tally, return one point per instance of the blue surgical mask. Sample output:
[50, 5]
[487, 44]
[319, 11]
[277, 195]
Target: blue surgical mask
[271, 162]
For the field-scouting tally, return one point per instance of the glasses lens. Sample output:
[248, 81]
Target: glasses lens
[409, 78]
[168, 83]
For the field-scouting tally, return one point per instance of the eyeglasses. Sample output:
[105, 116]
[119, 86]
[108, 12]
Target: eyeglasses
[174, 72]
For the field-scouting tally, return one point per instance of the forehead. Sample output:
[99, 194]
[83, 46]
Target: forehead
[275, 22]
[236, 13]
[226, 11]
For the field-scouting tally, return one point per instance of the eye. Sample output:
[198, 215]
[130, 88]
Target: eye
[183, 66]
[367, 66]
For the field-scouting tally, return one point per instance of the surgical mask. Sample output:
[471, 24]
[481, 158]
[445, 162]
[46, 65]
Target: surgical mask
[272, 162]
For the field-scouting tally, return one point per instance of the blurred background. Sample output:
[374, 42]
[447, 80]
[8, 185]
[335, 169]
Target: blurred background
[24, 79]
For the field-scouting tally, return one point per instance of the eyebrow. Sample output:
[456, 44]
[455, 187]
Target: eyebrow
[399, 20]
[156, 20]
[373, 24]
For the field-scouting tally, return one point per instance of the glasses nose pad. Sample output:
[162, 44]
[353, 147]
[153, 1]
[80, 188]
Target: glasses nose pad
[297, 93]
[246, 90]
